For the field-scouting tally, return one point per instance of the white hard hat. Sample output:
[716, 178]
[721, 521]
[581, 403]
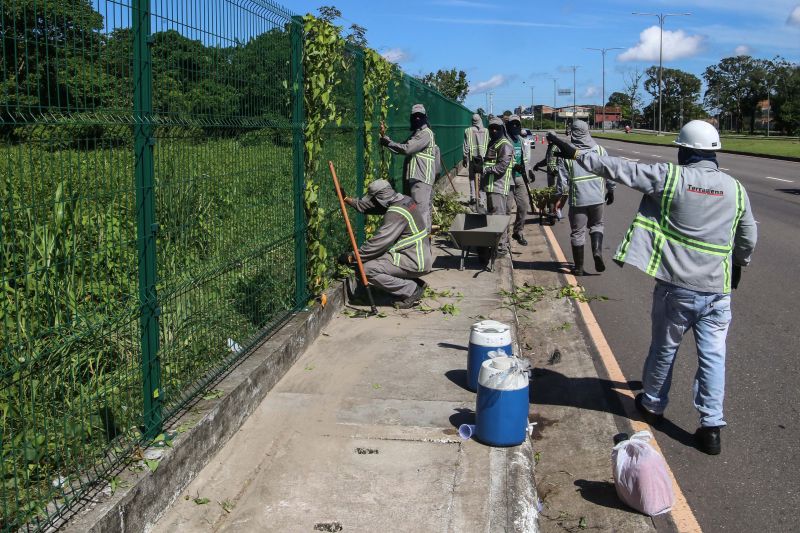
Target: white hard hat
[699, 135]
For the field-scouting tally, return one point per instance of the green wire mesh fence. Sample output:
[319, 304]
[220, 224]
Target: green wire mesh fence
[151, 228]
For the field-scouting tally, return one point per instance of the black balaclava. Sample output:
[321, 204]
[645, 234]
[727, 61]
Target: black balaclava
[514, 128]
[418, 120]
[495, 132]
[688, 156]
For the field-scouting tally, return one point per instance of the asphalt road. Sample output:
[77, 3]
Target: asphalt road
[754, 485]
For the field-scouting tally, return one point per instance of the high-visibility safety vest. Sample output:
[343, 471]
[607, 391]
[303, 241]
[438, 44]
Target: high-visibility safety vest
[476, 147]
[490, 178]
[585, 188]
[664, 235]
[415, 239]
[426, 159]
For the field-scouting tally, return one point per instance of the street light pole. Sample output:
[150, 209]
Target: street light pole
[555, 80]
[603, 52]
[574, 106]
[661, 17]
[533, 115]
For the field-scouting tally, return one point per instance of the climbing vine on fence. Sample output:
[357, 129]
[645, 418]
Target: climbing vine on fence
[323, 50]
[379, 74]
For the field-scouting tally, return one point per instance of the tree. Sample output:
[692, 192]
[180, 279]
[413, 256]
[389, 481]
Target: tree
[680, 92]
[737, 84]
[633, 80]
[621, 100]
[329, 13]
[785, 102]
[451, 83]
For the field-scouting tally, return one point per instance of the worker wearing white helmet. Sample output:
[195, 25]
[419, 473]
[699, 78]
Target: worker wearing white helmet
[694, 232]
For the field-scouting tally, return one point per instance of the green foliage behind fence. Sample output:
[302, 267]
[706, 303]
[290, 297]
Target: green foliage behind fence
[154, 171]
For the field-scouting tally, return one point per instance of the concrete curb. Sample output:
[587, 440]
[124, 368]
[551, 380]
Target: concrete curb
[523, 499]
[148, 495]
[735, 152]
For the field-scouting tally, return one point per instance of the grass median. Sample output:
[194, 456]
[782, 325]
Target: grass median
[764, 147]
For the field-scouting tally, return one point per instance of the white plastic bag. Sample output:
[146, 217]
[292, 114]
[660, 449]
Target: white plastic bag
[641, 476]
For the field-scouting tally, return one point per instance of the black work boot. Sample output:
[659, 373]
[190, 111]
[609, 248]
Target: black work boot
[414, 299]
[597, 251]
[577, 258]
[520, 238]
[708, 440]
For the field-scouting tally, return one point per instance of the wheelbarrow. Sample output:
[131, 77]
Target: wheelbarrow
[471, 231]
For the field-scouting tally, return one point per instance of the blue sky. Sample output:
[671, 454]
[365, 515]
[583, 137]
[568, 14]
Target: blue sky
[506, 46]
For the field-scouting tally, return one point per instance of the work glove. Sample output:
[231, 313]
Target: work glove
[531, 177]
[384, 141]
[566, 150]
[345, 258]
[737, 275]
[344, 194]
[519, 167]
[609, 197]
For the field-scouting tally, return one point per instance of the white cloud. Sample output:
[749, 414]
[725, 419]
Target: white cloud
[794, 16]
[742, 50]
[492, 83]
[677, 45]
[591, 91]
[395, 55]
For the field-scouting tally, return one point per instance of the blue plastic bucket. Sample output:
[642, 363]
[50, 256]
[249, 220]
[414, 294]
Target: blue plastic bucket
[485, 336]
[501, 411]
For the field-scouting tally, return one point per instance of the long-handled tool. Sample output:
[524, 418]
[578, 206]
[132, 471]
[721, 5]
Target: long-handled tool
[373, 310]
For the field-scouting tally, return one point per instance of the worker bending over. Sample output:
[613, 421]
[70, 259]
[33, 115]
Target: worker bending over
[399, 252]
[694, 232]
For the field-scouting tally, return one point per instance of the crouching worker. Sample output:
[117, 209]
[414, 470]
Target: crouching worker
[399, 252]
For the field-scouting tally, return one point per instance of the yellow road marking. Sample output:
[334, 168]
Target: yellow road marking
[682, 514]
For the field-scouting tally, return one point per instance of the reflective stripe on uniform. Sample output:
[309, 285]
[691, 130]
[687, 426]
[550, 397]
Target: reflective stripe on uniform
[415, 239]
[428, 157]
[586, 177]
[663, 230]
[472, 145]
[492, 162]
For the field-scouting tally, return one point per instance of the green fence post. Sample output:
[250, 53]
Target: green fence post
[298, 162]
[360, 139]
[145, 217]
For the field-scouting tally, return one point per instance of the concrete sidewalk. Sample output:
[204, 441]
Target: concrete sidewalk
[360, 435]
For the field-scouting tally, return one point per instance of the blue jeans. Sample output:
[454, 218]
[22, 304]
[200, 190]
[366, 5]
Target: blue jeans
[675, 310]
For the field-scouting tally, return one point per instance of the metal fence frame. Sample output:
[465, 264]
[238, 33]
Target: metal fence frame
[38, 504]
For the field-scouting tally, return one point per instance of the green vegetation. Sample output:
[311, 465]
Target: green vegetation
[762, 146]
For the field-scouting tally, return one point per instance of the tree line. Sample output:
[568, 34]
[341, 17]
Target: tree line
[734, 87]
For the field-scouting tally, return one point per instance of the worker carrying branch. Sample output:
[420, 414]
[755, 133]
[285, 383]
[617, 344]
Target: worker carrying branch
[421, 163]
[399, 252]
[694, 232]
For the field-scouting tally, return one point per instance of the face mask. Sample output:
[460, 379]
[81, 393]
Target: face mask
[514, 129]
[495, 133]
[417, 121]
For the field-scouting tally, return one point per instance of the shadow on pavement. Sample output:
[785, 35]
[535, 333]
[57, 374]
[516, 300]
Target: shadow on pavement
[463, 415]
[553, 388]
[601, 493]
[547, 266]
[452, 346]
[789, 191]
[458, 377]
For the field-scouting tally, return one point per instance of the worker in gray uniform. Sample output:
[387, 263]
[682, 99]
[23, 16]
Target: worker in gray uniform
[399, 252]
[496, 179]
[521, 171]
[476, 139]
[588, 193]
[694, 232]
[421, 162]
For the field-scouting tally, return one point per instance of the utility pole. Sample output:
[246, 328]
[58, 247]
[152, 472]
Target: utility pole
[491, 103]
[574, 106]
[769, 105]
[554, 101]
[533, 115]
[661, 17]
[603, 52]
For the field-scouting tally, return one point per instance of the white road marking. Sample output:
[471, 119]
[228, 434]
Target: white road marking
[778, 179]
[656, 155]
[637, 152]
[723, 168]
[628, 158]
